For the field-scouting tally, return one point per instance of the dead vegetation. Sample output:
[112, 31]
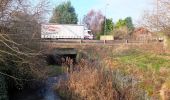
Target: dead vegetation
[92, 82]
[123, 73]
[20, 56]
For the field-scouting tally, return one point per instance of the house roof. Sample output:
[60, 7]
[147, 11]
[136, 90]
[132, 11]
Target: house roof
[142, 31]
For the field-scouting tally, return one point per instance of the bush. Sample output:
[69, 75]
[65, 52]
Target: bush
[92, 82]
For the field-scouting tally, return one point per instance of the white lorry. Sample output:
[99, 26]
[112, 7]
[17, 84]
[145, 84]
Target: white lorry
[65, 31]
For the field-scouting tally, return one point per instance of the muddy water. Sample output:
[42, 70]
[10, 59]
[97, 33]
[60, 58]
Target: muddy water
[44, 93]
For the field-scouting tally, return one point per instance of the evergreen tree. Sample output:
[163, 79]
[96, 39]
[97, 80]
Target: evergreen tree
[64, 14]
[129, 24]
[109, 26]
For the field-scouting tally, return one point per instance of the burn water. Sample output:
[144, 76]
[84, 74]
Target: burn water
[45, 92]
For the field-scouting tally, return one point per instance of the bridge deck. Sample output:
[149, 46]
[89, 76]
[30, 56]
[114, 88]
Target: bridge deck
[88, 42]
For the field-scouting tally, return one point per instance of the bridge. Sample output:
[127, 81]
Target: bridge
[57, 49]
[82, 43]
[48, 45]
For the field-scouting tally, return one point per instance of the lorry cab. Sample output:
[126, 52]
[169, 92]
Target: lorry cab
[88, 35]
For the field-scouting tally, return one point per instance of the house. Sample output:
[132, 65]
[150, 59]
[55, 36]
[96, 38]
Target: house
[143, 34]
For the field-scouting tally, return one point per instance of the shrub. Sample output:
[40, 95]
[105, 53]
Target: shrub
[92, 82]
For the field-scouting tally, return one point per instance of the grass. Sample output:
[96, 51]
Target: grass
[154, 65]
[112, 69]
[55, 70]
[92, 82]
[144, 60]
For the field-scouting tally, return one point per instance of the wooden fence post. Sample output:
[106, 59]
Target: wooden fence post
[80, 41]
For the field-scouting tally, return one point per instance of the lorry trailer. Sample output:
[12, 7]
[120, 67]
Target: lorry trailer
[65, 31]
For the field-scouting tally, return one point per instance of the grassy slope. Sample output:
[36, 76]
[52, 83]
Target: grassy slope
[130, 61]
[145, 60]
[149, 62]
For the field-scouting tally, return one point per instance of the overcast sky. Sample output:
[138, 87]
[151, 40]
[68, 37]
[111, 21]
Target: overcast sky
[115, 9]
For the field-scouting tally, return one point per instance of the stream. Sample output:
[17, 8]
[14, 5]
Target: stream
[44, 93]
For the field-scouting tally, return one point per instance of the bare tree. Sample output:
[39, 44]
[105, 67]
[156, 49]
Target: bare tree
[94, 20]
[19, 26]
[159, 18]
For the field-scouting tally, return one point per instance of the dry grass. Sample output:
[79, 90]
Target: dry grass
[165, 91]
[105, 76]
[93, 82]
[87, 83]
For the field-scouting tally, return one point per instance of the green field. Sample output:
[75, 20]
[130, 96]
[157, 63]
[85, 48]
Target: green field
[144, 60]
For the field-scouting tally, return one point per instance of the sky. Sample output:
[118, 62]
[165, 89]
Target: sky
[114, 9]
